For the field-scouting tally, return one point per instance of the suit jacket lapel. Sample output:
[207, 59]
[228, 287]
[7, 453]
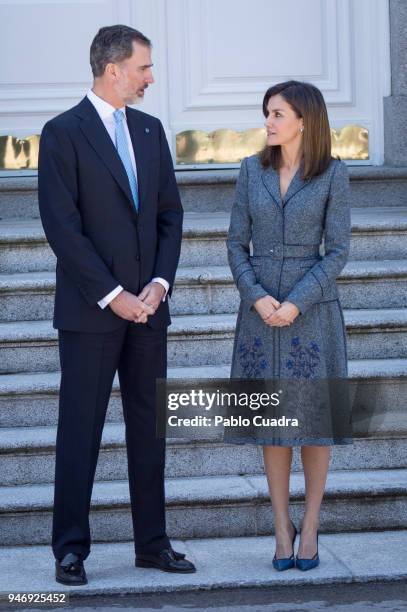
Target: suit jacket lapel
[297, 183]
[98, 137]
[271, 182]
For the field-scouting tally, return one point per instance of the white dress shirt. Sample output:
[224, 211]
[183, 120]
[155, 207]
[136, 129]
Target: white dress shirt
[105, 112]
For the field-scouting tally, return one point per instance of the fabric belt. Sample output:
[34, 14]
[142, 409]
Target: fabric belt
[281, 251]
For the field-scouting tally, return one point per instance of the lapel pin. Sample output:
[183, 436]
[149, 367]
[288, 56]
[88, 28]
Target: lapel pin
[147, 130]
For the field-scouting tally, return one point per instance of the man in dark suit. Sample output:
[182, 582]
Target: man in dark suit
[112, 214]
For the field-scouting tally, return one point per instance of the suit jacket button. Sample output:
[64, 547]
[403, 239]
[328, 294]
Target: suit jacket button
[137, 257]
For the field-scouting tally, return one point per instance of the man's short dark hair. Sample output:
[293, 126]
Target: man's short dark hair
[113, 44]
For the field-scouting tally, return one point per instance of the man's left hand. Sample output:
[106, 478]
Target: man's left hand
[283, 316]
[152, 294]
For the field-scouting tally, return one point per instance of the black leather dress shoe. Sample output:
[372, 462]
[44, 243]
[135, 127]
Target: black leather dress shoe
[178, 555]
[70, 570]
[167, 560]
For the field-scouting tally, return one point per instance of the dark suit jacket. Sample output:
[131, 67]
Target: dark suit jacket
[90, 220]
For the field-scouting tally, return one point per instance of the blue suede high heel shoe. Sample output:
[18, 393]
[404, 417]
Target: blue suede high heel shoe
[287, 563]
[307, 564]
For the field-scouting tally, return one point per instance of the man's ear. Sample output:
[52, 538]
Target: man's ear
[111, 70]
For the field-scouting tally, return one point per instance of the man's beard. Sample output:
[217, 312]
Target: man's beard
[134, 99]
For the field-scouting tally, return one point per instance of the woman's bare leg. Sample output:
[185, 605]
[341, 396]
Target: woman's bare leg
[315, 460]
[277, 463]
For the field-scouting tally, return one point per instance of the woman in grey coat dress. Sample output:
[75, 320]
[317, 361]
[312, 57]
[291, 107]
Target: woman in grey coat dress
[290, 323]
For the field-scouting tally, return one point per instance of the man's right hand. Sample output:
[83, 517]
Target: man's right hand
[130, 307]
[266, 306]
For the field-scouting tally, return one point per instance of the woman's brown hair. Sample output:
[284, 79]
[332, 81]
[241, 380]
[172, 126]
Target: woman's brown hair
[308, 103]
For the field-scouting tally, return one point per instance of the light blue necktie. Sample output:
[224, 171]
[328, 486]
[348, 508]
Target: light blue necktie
[123, 150]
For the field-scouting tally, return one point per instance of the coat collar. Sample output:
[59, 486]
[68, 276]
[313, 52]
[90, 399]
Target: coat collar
[98, 137]
[271, 180]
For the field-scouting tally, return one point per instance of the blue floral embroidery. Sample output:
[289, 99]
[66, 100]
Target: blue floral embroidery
[252, 358]
[304, 359]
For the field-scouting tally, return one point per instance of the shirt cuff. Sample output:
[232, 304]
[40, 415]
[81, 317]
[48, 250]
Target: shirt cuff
[110, 296]
[162, 282]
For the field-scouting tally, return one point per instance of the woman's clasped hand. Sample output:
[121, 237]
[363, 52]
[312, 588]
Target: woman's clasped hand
[275, 314]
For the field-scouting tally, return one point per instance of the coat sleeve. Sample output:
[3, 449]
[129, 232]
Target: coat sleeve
[169, 217]
[61, 219]
[238, 243]
[318, 281]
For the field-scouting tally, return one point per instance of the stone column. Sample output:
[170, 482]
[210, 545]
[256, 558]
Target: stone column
[395, 106]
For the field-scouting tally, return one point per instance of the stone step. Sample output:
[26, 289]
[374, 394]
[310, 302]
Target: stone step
[371, 186]
[379, 234]
[31, 399]
[27, 456]
[29, 296]
[215, 506]
[214, 190]
[345, 558]
[31, 346]
[18, 197]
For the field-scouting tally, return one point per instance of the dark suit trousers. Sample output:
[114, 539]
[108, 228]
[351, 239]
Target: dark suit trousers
[88, 365]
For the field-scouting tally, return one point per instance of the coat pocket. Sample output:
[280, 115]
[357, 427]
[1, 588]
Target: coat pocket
[329, 288]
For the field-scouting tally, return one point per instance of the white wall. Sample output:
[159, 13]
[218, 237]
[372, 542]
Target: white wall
[213, 59]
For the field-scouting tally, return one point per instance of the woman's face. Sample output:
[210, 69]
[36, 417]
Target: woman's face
[282, 124]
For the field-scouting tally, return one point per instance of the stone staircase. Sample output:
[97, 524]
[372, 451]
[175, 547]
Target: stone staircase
[213, 489]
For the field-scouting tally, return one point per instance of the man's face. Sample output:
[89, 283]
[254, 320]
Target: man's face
[134, 75]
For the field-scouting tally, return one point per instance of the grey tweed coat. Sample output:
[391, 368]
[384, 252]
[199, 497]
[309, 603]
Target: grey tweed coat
[287, 263]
